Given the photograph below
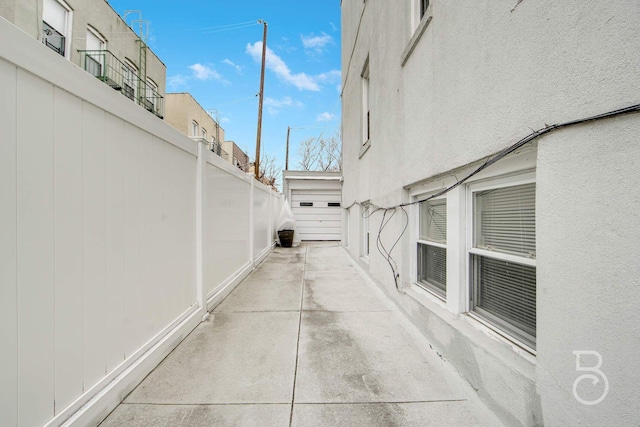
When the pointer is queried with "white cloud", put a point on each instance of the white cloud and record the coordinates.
(232, 64)
(202, 72)
(274, 63)
(224, 120)
(325, 117)
(275, 105)
(316, 43)
(176, 82)
(329, 77)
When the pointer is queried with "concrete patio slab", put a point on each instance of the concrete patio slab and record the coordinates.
(278, 271)
(421, 414)
(144, 415)
(263, 295)
(335, 294)
(372, 359)
(321, 347)
(286, 258)
(230, 358)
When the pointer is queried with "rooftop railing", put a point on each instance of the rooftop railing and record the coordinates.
(105, 66)
(213, 146)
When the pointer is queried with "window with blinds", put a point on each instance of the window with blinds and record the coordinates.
(364, 234)
(55, 25)
(502, 259)
(432, 246)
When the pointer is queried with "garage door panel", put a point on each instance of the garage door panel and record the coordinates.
(312, 217)
(319, 221)
(322, 224)
(319, 236)
(320, 196)
(316, 211)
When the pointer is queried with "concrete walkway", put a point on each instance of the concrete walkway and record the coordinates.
(305, 340)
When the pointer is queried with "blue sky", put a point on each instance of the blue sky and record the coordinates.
(212, 49)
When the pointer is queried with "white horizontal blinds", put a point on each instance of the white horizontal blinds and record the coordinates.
(504, 290)
(432, 259)
(93, 42)
(94, 61)
(130, 81)
(55, 15)
(432, 267)
(433, 220)
(504, 220)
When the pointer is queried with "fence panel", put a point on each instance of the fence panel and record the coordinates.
(8, 246)
(261, 220)
(226, 224)
(98, 212)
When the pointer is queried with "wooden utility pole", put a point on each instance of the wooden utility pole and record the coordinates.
(261, 94)
(286, 162)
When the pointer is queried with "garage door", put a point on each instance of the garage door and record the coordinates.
(318, 214)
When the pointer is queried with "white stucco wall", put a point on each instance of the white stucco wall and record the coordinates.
(481, 77)
(589, 289)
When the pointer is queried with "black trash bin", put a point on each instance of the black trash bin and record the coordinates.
(286, 238)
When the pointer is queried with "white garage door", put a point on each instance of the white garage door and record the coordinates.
(318, 214)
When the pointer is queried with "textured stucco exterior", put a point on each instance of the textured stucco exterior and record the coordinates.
(121, 39)
(480, 77)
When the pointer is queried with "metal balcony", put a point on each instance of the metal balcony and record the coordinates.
(105, 66)
(213, 146)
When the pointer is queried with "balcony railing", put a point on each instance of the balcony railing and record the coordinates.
(108, 68)
(213, 146)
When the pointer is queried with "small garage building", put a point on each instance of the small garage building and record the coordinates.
(315, 198)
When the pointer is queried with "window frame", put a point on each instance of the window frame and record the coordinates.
(419, 20)
(497, 325)
(430, 287)
(97, 58)
(195, 128)
(365, 231)
(520, 167)
(347, 224)
(67, 30)
(365, 77)
(130, 78)
(152, 95)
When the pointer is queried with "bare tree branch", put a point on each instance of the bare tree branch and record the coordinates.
(321, 154)
(269, 170)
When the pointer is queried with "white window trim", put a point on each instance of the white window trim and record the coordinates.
(414, 255)
(99, 36)
(418, 27)
(455, 300)
(347, 224)
(133, 69)
(487, 184)
(152, 86)
(516, 169)
(365, 231)
(68, 31)
(195, 128)
(366, 106)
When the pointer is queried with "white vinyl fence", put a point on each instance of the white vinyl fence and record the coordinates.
(117, 234)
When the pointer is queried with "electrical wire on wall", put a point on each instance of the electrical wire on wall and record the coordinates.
(389, 212)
